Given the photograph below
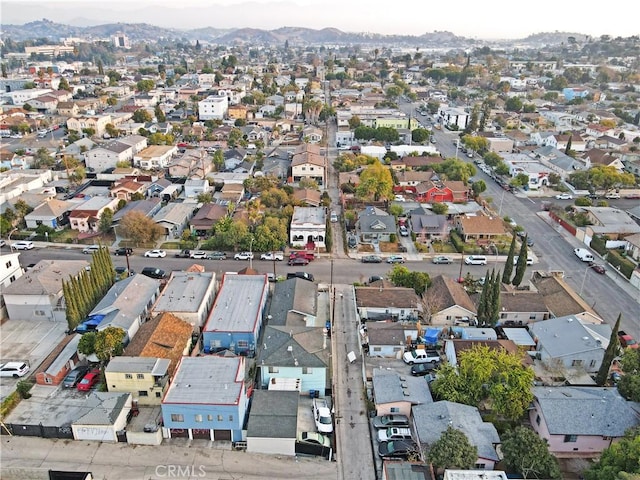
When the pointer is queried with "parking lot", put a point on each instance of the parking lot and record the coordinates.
(29, 341)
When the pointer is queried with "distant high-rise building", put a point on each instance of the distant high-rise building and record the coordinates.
(120, 40)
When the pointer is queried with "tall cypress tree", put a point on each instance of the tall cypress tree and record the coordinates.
(521, 266)
(97, 271)
(70, 310)
(508, 267)
(494, 317)
(83, 297)
(483, 302)
(609, 354)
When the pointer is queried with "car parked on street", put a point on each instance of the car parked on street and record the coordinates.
(22, 245)
(391, 420)
(122, 251)
(442, 260)
(598, 269)
(155, 253)
(298, 261)
(89, 381)
(564, 196)
(199, 254)
(243, 256)
(395, 259)
(153, 272)
(217, 256)
(277, 256)
(14, 369)
(371, 259)
(475, 260)
(89, 249)
(302, 275)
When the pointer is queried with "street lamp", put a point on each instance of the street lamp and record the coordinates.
(584, 277)
(251, 253)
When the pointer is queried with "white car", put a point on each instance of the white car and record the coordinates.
(279, 256)
(564, 196)
(198, 254)
(243, 256)
(22, 245)
(155, 253)
(14, 369)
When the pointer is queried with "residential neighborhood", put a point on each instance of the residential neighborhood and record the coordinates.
(378, 260)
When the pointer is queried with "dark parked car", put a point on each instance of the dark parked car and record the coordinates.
(421, 369)
(153, 272)
(303, 275)
(74, 376)
(598, 269)
(392, 420)
(396, 449)
(123, 251)
(371, 259)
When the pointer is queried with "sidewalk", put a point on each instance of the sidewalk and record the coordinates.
(619, 279)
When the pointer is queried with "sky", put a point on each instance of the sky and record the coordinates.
(489, 19)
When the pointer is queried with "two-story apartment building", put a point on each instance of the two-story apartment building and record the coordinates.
(155, 157)
(235, 321)
(86, 216)
(146, 379)
(308, 163)
(96, 123)
(206, 400)
(214, 107)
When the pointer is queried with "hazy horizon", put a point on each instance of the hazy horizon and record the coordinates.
(495, 19)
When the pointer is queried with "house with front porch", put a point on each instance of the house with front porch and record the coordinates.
(174, 218)
(388, 303)
(408, 180)
(86, 216)
(375, 225)
(207, 399)
(581, 421)
(448, 303)
(125, 189)
(442, 191)
(308, 163)
(155, 157)
(481, 228)
(429, 228)
(206, 217)
(308, 226)
(53, 214)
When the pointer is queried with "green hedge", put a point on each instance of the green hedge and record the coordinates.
(599, 244)
(457, 241)
(624, 265)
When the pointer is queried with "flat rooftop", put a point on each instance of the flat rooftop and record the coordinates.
(239, 303)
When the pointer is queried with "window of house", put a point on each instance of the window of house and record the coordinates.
(394, 410)
(177, 417)
(480, 466)
(231, 418)
(397, 349)
(12, 278)
(537, 419)
(220, 418)
(503, 315)
(532, 316)
(140, 376)
(570, 438)
(307, 371)
(576, 363)
(8, 264)
(198, 417)
(303, 168)
(274, 370)
(210, 418)
(39, 313)
(47, 380)
(243, 344)
(128, 376)
(377, 349)
(449, 317)
(143, 393)
(158, 394)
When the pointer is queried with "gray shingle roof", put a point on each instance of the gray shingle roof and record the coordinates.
(568, 335)
(275, 351)
(274, 414)
(585, 411)
(106, 408)
(390, 387)
(432, 419)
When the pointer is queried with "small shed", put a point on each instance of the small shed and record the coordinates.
(61, 364)
(105, 418)
(479, 334)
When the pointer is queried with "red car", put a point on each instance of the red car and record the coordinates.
(298, 261)
(89, 380)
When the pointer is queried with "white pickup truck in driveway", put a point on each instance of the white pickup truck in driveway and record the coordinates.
(421, 356)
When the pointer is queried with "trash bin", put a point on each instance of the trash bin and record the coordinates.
(312, 394)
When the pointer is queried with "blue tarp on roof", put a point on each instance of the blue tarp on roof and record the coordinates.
(431, 335)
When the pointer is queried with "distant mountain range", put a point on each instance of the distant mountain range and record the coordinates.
(252, 36)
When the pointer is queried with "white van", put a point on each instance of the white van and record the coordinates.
(529, 260)
(475, 260)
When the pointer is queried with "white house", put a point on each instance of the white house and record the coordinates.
(453, 116)
(214, 107)
(308, 225)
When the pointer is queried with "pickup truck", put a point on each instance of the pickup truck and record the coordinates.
(421, 355)
(183, 254)
(626, 340)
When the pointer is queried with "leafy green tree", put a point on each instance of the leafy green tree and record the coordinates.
(455, 169)
(401, 276)
(492, 159)
(106, 221)
(159, 114)
(486, 375)
(528, 454)
(502, 169)
(376, 182)
(141, 116)
(609, 354)
(109, 343)
(452, 451)
(64, 85)
(508, 266)
(478, 187)
(205, 197)
(145, 85)
(395, 210)
(439, 208)
(629, 384)
(420, 135)
(521, 265)
(520, 180)
(619, 461)
(87, 343)
(513, 104)
(139, 228)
